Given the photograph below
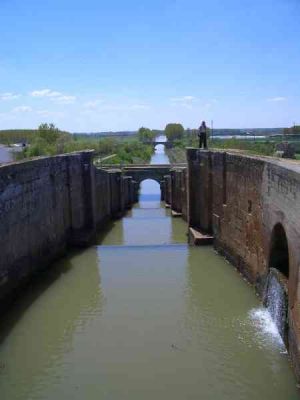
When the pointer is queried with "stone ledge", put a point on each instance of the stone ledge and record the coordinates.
(176, 214)
(197, 238)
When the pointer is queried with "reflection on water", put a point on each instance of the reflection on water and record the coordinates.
(40, 330)
(164, 321)
(6, 154)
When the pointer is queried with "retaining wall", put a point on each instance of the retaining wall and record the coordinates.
(241, 199)
(49, 203)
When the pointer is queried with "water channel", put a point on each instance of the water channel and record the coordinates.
(142, 316)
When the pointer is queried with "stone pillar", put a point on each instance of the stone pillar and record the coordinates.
(82, 198)
(168, 194)
(126, 191)
(199, 190)
(184, 208)
(116, 193)
(162, 190)
(176, 203)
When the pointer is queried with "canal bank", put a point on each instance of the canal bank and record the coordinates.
(142, 315)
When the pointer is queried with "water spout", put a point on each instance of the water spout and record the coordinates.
(276, 301)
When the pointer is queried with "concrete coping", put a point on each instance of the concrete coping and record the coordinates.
(39, 158)
(293, 165)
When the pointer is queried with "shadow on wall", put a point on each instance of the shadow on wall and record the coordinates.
(279, 254)
(276, 290)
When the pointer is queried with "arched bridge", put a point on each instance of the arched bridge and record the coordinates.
(140, 172)
(167, 144)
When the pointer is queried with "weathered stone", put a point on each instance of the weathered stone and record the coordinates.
(197, 238)
(241, 199)
(285, 150)
(49, 203)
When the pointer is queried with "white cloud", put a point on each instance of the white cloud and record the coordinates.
(277, 99)
(45, 93)
(91, 105)
(22, 109)
(47, 113)
(139, 107)
(9, 96)
(65, 99)
(43, 112)
(53, 95)
(183, 99)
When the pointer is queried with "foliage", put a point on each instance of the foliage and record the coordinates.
(132, 152)
(266, 148)
(49, 140)
(146, 134)
(48, 132)
(10, 136)
(174, 131)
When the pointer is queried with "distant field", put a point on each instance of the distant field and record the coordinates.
(10, 136)
(113, 135)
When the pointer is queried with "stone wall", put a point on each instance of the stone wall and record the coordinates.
(49, 203)
(178, 196)
(167, 189)
(103, 199)
(242, 199)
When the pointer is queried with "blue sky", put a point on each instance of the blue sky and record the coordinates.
(117, 65)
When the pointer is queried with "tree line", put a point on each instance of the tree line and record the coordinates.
(173, 131)
(49, 140)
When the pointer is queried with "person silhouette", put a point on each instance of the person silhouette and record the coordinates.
(202, 134)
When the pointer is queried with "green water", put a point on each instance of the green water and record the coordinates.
(142, 316)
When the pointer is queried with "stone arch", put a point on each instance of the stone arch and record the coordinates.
(155, 178)
(279, 251)
(160, 144)
(151, 178)
(143, 174)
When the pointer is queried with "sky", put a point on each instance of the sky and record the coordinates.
(99, 65)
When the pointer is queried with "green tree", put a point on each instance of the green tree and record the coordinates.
(174, 131)
(145, 134)
(48, 132)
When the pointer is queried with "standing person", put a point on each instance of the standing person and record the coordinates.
(202, 134)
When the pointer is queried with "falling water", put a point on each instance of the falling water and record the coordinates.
(275, 300)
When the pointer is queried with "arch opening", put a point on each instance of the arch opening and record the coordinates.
(279, 252)
(159, 148)
(149, 192)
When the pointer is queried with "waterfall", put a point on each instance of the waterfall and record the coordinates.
(275, 299)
